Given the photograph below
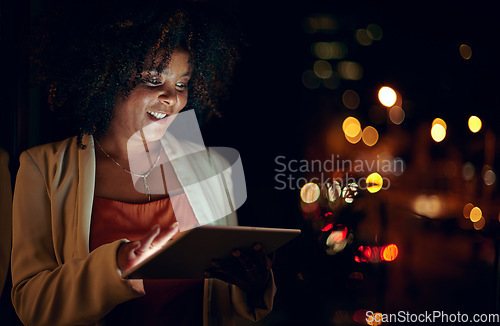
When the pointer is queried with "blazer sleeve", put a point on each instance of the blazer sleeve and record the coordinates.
(47, 291)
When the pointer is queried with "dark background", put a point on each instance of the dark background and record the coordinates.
(444, 264)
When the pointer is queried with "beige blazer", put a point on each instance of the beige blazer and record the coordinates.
(56, 281)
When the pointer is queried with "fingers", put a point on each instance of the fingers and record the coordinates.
(165, 236)
(147, 240)
(155, 238)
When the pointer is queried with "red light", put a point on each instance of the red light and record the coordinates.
(365, 254)
(339, 235)
(327, 228)
(344, 233)
(389, 252)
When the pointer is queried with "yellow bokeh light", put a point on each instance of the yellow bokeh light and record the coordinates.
(376, 319)
(480, 224)
(465, 51)
(429, 206)
(322, 50)
(439, 121)
(467, 209)
(475, 124)
(309, 192)
(352, 130)
(322, 69)
(389, 252)
(348, 121)
(438, 132)
(475, 214)
(374, 182)
(387, 96)
(355, 139)
(396, 114)
(370, 136)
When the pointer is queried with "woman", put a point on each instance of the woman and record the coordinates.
(79, 220)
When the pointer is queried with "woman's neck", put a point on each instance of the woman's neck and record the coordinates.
(123, 148)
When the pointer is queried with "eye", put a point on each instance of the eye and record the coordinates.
(152, 79)
(181, 86)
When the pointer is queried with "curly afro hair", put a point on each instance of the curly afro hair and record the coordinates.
(87, 57)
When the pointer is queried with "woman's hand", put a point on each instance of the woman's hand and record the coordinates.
(249, 270)
(132, 253)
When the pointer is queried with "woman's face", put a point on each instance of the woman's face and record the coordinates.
(157, 96)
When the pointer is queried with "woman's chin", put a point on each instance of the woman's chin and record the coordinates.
(152, 132)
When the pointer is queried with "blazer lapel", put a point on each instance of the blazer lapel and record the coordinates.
(85, 197)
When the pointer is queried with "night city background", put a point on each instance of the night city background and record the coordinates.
(306, 98)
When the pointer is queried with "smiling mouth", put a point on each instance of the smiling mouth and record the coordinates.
(157, 115)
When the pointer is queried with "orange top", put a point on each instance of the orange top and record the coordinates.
(167, 302)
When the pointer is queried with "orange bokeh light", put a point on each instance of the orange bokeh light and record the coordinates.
(389, 252)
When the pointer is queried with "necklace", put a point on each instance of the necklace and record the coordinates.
(144, 176)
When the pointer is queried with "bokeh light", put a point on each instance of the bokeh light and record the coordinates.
(370, 136)
(364, 37)
(355, 139)
(333, 191)
(489, 177)
(364, 254)
(350, 70)
(327, 227)
(349, 192)
(350, 99)
(480, 223)
(465, 51)
(475, 124)
(389, 252)
(475, 214)
(374, 182)
(468, 171)
(309, 192)
(428, 206)
(337, 236)
(387, 96)
(320, 23)
(438, 133)
(375, 32)
(352, 130)
(322, 69)
(310, 80)
(467, 208)
(329, 50)
(396, 114)
(376, 319)
(439, 121)
(332, 82)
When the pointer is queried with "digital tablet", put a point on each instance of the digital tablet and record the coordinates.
(190, 253)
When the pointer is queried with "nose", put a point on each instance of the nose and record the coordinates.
(168, 97)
